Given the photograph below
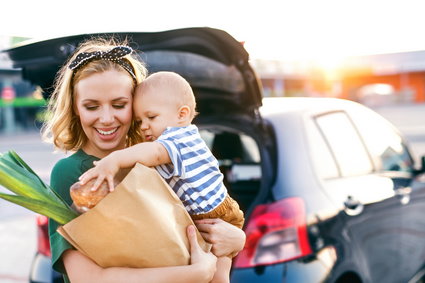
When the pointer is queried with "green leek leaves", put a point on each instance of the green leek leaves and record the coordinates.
(30, 191)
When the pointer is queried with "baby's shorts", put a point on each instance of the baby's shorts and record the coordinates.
(228, 211)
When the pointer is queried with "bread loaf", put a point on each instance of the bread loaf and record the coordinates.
(84, 197)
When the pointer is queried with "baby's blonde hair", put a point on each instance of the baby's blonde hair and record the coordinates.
(182, 91)
(63, 127)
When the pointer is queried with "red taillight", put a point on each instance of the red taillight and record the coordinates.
(275, 233)
(43, 235)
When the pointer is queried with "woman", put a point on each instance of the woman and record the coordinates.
(91, 110)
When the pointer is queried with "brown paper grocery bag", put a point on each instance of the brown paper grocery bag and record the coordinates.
(142, 223)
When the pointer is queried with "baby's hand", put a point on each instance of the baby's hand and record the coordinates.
(104, 169)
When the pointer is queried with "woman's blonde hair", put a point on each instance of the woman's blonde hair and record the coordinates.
(63, 127)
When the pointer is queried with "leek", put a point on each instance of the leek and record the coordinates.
(30, 190)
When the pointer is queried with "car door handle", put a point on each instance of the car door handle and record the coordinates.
(403, 194)
(353, 206)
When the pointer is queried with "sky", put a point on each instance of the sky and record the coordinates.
(315, 30)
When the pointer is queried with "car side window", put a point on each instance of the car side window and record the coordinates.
(323, 161)
(386, 146)
(345, 144)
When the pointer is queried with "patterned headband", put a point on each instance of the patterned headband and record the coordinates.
(116, 55)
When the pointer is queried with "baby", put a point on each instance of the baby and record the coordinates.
(165, 105)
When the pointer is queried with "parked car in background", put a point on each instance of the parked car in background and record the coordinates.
(329, 188)
(41, 268)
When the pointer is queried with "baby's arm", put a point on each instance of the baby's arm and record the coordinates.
(147, 153)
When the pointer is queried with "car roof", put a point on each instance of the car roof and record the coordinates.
(273, 105)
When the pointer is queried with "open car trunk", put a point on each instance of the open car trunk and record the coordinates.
(214, 63)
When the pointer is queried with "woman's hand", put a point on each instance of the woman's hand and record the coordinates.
(206, 262)
(225, 238)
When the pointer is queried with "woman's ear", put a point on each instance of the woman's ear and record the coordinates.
(184, 114)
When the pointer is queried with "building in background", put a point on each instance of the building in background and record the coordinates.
(403, 72)
(373, 80)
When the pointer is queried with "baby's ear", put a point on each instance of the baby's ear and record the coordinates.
(184, 113)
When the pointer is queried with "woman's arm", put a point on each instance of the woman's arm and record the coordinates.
(202, 268)
(225, 238)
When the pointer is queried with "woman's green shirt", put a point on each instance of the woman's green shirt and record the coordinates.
(65, 173)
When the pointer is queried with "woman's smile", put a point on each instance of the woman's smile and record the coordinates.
(107, 135)
(106, 132)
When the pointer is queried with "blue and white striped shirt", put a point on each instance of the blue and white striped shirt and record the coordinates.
(193, 172)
